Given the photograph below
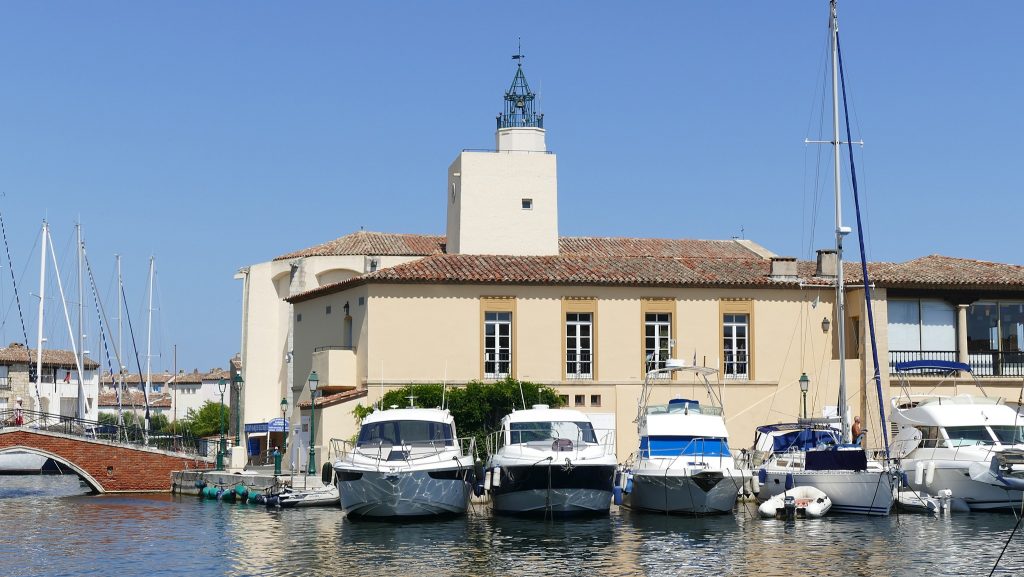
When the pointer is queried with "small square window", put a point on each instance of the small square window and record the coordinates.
(328, 309)
(527, 204)
(298, 317)
(361, 301)
(580, 401)
(595, 400)
(564, 399)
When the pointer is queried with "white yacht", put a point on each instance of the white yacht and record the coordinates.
(811, 453)
(684, 464)
(971, 445)
(552, 463)
(406, 463)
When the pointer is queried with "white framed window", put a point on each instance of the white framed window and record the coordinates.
(497, 344)
(579, 348)
(657, 340)
(735, 348)
(527, 204)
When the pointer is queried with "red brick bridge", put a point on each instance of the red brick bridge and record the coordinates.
(106, 466)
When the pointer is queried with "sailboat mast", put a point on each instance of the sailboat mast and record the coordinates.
(39, 334)
(82, 408)
(840, 231)
(149, 343)
(120, 351)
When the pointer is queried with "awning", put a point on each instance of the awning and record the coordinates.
(277, 425)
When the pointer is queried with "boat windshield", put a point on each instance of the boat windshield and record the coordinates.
(1009, 434)
(405, 433)
(967, 436)
(550, 430)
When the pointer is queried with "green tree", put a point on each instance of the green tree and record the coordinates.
(207, 420)
(477, 408)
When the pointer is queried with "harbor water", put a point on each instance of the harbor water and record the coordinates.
(52, 528)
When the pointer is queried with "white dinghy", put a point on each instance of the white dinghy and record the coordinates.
(804, 502)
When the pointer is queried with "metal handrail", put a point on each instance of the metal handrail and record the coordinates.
(605, 439)
(345, 448)
(88, 429)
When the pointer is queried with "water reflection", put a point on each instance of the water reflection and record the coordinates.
(51, 529)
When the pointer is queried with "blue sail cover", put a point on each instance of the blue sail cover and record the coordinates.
(675, 446)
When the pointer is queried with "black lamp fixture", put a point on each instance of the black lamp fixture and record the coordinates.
(314, 382)
(825, 325)
(805, 383)
(346, 308)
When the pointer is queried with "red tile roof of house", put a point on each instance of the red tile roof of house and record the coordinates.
(18, 353)
(369, 243)
(333, 399)
(134, 398)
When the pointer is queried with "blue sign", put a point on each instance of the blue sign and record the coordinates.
(277, 425)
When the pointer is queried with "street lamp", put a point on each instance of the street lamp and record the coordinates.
(279, 454)
(237, 381)
(314, 381)
(805, 383)
(825, 324)
(222, 386)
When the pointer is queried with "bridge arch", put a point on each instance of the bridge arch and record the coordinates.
(84, 475)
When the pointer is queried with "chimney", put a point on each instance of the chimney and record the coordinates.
(783, 268)
(828, 263)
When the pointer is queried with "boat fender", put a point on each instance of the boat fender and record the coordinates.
(904, 479)
(228, 496)
(929, 473)
(220, 493)
(629, 483)
(618, 477)
(762, 476)
(919, 473)
(487, 480)
(478, 489)
(617, 494)
(496, 477)
(273, 501)
(242, 491)
(200, 483)
(327, 474)
(755, 484)
(789, 481)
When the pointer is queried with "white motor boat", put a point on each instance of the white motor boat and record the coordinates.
(812, 454)
(798, 503)
(406, 463)
(550, 462)
(970, 445)
(19, 462)
(684, 465)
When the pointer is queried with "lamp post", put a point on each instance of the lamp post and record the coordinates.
(284, 420)
(314, 381)
(222, 385)
(805, 383)
(238, 382)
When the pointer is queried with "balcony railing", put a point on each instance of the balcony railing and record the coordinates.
(986, 364)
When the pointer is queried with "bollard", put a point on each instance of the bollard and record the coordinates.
(277, 462)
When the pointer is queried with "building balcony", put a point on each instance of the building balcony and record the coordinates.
(983, 364)
(336, 366)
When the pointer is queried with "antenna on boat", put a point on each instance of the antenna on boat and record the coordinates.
(412, 400)
(521, 395)
(444, 383)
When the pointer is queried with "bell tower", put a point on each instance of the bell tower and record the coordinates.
(506, 201)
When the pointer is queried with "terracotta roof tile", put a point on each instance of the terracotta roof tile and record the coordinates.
(375, 244)
(652, 247)
(334, 399)
(134, 398)
(18, 353)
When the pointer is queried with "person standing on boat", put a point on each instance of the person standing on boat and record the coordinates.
(856, 432)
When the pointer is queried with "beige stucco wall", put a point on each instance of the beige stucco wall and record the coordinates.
(430, 333)
(485, 213)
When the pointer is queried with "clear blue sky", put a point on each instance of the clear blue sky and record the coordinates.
(220, 134)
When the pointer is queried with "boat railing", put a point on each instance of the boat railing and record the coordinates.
(409, 452)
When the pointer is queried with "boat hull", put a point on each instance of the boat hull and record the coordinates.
(858, 492)
(542, 490)
(22, 463)
(378, 494)
(707, 493)
(955, 476)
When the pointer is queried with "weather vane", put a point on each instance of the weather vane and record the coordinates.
(519, 52)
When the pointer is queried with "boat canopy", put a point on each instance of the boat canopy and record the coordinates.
(797, 437)
(934, 365)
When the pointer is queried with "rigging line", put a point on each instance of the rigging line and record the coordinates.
(816, 198)
(135, 349)
(863, 258)
(10, 266)
(100, 317)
